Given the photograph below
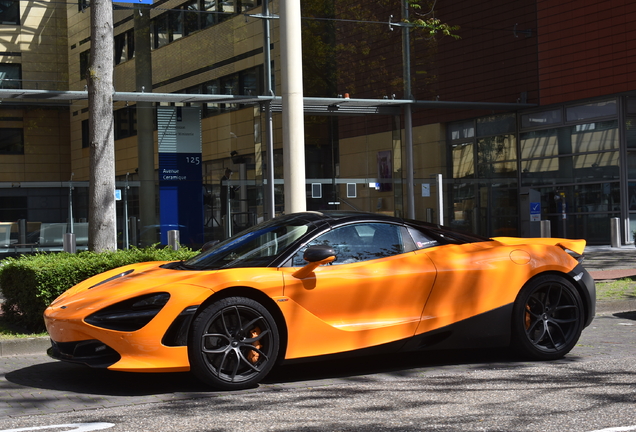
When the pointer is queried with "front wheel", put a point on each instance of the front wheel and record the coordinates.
(234, 344)
(547, 318)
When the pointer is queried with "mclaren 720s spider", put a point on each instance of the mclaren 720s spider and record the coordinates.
(323, 283)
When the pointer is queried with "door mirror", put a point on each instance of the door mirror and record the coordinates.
(315, 256)
(318, 253)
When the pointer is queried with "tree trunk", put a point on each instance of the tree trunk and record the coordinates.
(101, 206)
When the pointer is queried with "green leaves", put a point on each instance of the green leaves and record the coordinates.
(31, 282)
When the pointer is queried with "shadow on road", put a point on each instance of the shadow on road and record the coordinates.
(80, 379)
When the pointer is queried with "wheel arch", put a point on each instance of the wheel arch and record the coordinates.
(549, 332)
(585, 297)
(263, 299)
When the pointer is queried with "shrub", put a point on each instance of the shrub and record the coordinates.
(31, 282)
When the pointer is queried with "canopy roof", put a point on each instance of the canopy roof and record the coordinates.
(332, 106)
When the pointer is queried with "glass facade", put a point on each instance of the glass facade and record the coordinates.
(570, 155)
(485, 185)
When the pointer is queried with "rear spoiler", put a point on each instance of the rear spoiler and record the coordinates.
(576, 246)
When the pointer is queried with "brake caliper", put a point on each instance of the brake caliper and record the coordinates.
(253, 356)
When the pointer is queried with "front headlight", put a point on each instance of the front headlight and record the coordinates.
(129, 315)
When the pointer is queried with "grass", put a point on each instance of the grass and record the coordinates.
(618, 289)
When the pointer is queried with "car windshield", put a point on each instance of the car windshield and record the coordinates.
(254, 247)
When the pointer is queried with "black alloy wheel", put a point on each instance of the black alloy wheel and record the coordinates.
(548, 318)
(234, 344)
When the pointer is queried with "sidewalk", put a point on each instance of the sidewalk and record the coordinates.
(603, 263)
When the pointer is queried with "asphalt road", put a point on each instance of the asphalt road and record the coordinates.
(592, 389)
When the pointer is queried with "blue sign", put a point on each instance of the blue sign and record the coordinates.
(180, 174)
(535, 211)
(134, 1)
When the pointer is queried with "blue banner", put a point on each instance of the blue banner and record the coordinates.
(134, 1)
(180, 174)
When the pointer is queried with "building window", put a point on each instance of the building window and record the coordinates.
(159, 31)
(13, 208)
(85, 137)
(11, 141)
(9, 12)
(84, 57)
(82, 5)
(195, 15)
(245, 83)
(124, 46)
(10, 76)
(592, 110)
(484, 168)
(126, 122)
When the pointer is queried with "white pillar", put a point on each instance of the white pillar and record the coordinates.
(293, 117)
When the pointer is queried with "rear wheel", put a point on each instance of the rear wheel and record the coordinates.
(234, 343)
(547, 318)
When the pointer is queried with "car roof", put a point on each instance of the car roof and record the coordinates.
(342, 216)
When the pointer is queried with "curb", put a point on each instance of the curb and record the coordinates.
(24, 346)
(627, 305)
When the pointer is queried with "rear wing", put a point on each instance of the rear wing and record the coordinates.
(576, 246)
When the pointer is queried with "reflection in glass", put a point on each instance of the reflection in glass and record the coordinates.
(589, 137)
(463, 160)
(359, 242)
(591, 110)
(497, 170)
(631, 165)
(496, 148)
(630, 132)
(462, 130)
(595, 137)
(542, 118)
(496, 125)
(570, 169)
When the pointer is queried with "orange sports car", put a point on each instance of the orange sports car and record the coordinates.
(314, 284)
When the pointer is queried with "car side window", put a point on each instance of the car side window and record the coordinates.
(422, 241)
(358, 242)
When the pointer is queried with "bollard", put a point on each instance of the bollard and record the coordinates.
(173, 239)
(546, 230)
(69, 243)
(615, 232)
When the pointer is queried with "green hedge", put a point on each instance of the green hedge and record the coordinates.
(31, 282)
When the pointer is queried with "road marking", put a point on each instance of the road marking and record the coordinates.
(78, 427)
(615, 429)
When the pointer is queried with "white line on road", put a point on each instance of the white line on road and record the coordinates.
(614, 429)
(78, 427)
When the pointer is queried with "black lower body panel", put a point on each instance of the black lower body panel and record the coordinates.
(490, 329)
(89, 352)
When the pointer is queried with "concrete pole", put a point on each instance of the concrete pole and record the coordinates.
(293, 116)
(270, 209)
(408, 121)
(440, 200)
(145, 125)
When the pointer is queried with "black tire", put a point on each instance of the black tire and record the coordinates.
(233, 344)
(547, 318)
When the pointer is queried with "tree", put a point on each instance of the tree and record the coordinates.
(355, 47)
(101, 207)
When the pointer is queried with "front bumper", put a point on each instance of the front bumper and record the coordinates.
(89, 352)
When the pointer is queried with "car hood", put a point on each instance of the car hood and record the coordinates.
(135, 277)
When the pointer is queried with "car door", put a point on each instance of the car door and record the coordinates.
(373, 293)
